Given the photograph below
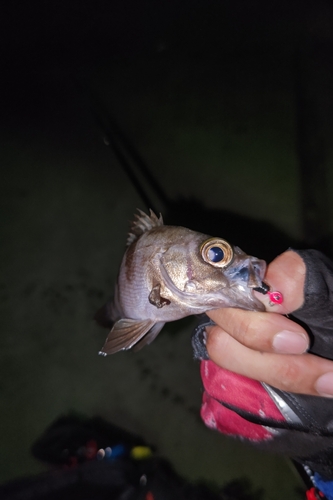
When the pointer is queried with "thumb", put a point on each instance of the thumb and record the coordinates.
(285, 274)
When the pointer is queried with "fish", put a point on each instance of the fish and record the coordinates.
(170, 272)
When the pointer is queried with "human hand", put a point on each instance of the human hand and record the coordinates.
(268, 346)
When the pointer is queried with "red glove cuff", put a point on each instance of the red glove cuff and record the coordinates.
(225, 387)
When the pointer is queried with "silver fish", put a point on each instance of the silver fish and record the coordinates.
(169, 272)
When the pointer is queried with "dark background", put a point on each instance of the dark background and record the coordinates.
(228, 104)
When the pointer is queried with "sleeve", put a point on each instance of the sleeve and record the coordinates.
(316, 316)
(316, 313)
(292, 424)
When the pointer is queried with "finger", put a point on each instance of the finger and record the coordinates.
(285, 274)
(303, 374)
(261, 331)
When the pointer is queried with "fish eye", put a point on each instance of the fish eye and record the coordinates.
(217, 252)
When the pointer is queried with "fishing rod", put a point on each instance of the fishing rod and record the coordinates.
(128, 157)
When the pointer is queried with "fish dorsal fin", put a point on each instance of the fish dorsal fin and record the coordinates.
(143, 223)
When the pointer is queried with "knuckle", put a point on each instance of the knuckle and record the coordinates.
(217, 344)
(289, 376)
(243, 332)
(247, 330)
(214, 337)
(237, 324)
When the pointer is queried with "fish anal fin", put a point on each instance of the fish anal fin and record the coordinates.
(156, 298)
(125, 334)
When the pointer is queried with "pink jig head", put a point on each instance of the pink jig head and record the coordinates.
(275, 297)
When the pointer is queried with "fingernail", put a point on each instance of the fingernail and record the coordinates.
(324, 385)
(290, 342)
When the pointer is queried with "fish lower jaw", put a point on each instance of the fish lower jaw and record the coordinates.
(247, 301)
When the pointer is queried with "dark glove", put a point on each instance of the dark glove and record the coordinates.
(296, 425)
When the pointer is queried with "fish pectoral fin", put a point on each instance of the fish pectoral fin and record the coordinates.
(151, 335)
(125, 334)
(156, 298)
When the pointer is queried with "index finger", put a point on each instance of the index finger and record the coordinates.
(260, 331)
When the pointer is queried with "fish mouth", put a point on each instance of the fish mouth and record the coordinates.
(250, 272)
(247, 276)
